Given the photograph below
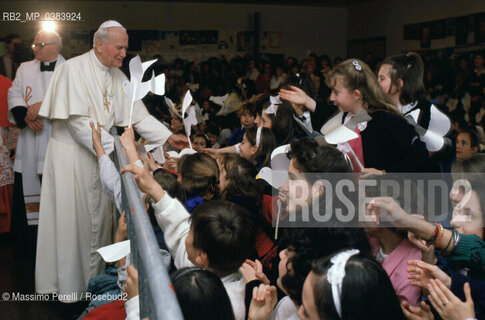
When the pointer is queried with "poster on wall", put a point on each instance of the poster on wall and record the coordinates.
(223, 46)
(245, 41)
(466, 30)
(263, 40)
(480, 28)
(169, 36)
(169, 40)
(189, 37)
(425, 39)
(150, 48)
(438, 29)
(274, 39)
(450, 27)
(208, 37)
(461, 33)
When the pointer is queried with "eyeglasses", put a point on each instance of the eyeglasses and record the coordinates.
(41, 45)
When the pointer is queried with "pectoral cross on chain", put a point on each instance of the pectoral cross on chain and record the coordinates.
(106, 101)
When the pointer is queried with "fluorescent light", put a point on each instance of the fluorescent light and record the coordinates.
(49, 26)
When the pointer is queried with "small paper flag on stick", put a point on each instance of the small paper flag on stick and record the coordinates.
(191, 119)
(277, 219)
(136, 89)
(355, 156)
(115, 252)
(171, 107)
(335, 132)
(279, 164)
(438, 127)
(219, 100)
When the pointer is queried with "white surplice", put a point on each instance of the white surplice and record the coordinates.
(29, 87)
(76, 217)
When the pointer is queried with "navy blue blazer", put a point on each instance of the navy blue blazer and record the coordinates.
(390, 143)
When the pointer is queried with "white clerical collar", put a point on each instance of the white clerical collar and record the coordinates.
(96, 61)
(49, 62)
(406, 108)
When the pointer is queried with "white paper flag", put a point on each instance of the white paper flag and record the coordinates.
(439, 125)
(189, 120)
(175, 154)
(115, 251)
(335, 132)
(135, 88)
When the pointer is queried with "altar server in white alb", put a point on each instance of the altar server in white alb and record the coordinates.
(76, 217)
(24, 100)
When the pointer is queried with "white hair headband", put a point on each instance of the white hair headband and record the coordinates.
(258, 136)
(273, 107)
(336, 275)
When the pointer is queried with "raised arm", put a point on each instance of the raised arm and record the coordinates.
(299, 97)
(387, 209)
(145, 181)
(154, 131)
(127, 140)
(80, 129)
(108, 174)
(229, 149)
(171, 215)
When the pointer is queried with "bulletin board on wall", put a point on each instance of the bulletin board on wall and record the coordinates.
(193, 45)
(463, 31)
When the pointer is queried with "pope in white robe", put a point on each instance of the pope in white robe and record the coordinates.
(27, 92)
(76, 217)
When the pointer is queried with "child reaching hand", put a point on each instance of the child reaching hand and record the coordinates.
(218, 236)
(108, 174)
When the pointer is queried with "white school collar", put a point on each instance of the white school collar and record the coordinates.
(361, 125)
(406, 108)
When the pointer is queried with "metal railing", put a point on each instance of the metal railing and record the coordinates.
(157, 296)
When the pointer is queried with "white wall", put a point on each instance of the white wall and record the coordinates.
(319, 29)
(387, 18)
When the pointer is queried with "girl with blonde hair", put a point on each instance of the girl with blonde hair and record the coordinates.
(386, 142)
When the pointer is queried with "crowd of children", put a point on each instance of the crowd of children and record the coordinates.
(214, 212)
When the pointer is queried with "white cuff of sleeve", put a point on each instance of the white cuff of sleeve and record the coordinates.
(132, 308)
(153, 130)
(237, 148)
(81, 132)
(163, 203)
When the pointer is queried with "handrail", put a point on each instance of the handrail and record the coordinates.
(159, 301)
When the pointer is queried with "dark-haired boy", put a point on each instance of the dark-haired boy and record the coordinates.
(212, 133)
(247, 114)
(218, 236)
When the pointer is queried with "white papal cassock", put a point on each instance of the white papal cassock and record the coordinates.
(76, 218)
(29, 87)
